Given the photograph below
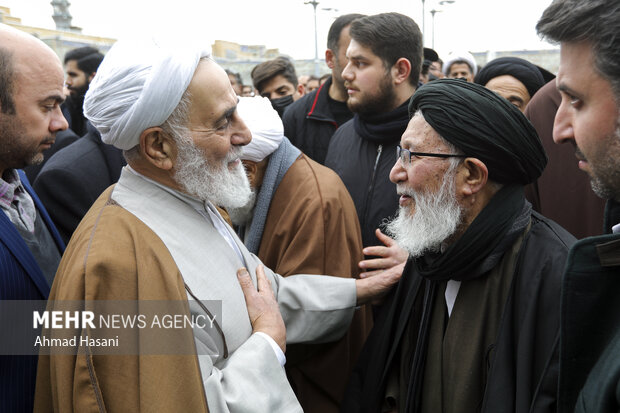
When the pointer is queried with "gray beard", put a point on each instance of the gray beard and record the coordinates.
(242, 216)
(435, 219)
(216, 183)
(605, 179)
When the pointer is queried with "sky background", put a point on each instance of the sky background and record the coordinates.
(474, 25)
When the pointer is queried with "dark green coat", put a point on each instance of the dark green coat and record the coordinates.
(590, 324)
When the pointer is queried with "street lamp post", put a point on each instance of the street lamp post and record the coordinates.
(433, 26)
(441, 3)
(423, 28)
(316, 43)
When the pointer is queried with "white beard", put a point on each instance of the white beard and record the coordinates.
(242, 216)
(435, 219)
(224, 187)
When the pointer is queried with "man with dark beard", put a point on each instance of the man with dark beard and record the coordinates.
(588, 119)
(156, 235)
(473, 324)
(31, 83)
(310, 122)
(81, 66)
(385, 55)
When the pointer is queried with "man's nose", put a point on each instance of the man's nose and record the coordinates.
(563, 125)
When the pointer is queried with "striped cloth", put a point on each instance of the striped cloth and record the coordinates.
(16, 202)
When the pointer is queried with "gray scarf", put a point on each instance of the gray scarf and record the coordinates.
(279, 162)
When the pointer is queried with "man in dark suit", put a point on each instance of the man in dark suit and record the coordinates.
(31, 82)
(74, 178)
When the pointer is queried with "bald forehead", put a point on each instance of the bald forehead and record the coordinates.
(23, 43)
(29, 54)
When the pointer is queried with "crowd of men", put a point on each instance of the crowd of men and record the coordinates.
(401, 236)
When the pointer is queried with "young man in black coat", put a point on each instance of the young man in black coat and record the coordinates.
(589, 119)
(310, 122)
(385, 56)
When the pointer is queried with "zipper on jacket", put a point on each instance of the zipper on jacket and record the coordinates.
(371, 187)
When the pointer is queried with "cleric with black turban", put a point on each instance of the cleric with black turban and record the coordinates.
(513, 78)
(473, 323)
(484, 126)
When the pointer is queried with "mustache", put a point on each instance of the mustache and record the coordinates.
(401, 189)
(579, 154)
(234, 154)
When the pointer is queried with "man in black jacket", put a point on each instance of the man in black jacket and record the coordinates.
(385, 56)
(310, 122)
(589, 119)
(74, 177)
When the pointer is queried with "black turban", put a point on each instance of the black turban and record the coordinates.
(522, 70)
(483, 125)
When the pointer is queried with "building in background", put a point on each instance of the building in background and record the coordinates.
(234, 56)
(62, 39)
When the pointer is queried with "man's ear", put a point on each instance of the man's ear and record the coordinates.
(401, 70)
(473, 176)
(301, 89)
(250, 170)
(91, 77)
(158, 148)
(329, 58)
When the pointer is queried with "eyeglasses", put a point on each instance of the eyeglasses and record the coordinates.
(406, 156)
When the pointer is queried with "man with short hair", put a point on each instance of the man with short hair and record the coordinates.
(157, 235)
(310, 122)
(81, 66)
(588, 118)
(474, 321)
(235, 81)
(247, 91)
(431, 67)
(31, 86)
(460, 65)
(385, 56)
(301, 219)
(277, 80)
(512, 78)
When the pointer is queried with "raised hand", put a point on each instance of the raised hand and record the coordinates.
(392, 257)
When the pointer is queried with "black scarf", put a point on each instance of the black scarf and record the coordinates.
(477, 251)
(383, 128)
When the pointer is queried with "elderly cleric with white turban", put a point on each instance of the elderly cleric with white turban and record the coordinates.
(123, 100)
(157, 235)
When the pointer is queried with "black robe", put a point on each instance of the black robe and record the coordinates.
(523, 375)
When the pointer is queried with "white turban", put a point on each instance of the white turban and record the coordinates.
(463, 56)
(137, 86)
(265, 125)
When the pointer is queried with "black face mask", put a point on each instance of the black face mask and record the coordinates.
(280, 104)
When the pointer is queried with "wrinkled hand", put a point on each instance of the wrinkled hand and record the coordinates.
(262, 306)
(374, 288)
(392, 256)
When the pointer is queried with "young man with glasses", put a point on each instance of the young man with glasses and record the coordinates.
(474, 321)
